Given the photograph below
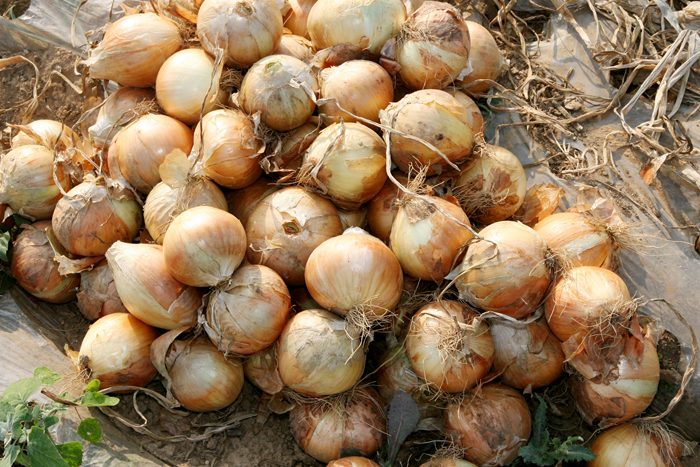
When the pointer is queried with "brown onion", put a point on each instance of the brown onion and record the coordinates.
(119, 109)
(261, 369)
(356, 218)
(297, 16)
(382, 209)
(446, 462)
(637, 445)
(297, 47)
(242, 202)
(541, 200)
(484, 57)
(352, 462)
(98, 295)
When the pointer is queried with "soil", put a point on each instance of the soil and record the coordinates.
(13, 8)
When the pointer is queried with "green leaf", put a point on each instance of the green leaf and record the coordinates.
(540, 434)
(11, 453)
(20, 391)
(50, 421)
(6, 281)
(5, 409)
(93, 386)
(72, 453)
(572, 451)
(23, 459)
(97, 399)
(402, 418)
(90, 430)
(42, 451)
(46, 376)
(19, 220)
(5, 242)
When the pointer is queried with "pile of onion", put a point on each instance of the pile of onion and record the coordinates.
(382, 209)
(242, 202)
(484, 57)
(119, 109)
(261, 369)
(98, 294)
(637, 445)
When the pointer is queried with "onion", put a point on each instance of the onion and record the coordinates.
(246, 30)
(281, 88)
(119, 109)
(92, 216)
(356, 218)
(148, 290)
(382, 209)
(352, 462)
(186, 9)
(261, 369)
(446, 462)
(187, 83)
(515, 280)
(27, 183)
(432, 47)
(426, 241)
(297, 16)
(435, 117)
(296, 46)
(242, 202)
(490, 425)
(347, 162)
(541, 200)
(248, 313)
(359, 86)
(637, 445)
(528, 355)
(355, 272)
(133, 50)
(141, 147)
(230, 152)
(98, 295)
(286, 155)
(485, 59)
(446, 348)
(367, 24)
(45, 133)
(316, 355)
(473, 111)
(286, 227)
(117, 351)
(494, 188)
(34, 267)
(352, 420)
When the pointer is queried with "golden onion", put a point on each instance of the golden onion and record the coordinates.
(119, 109)
(242, 202)
(297, 16)
(296, 46)
(352, 461)
(473, 111)
(261, 369)
(98, 294)
(49, 133)
(186, 9)
(637, 445)
(356, 218)
(485, 59)
(382, 209)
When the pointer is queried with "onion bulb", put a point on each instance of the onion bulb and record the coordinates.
(117, 351)
(360, 87)
(352, 420)
(34, 267)
(347, 162)
(432, 47)
(247, 314)
(296, 46)
(541, 200)
(637, 445)
(297, 16)
(473, 111)
(148, 290)
(426, 241)
(485, 59)
(286, 227)
(356, 218)
(119, 109)
(365, 24)
(316, 355)
(447, 462)
(133, 50)
(92, 216)
(242, 202)
(382, 209)
(506, 272)
(355, 271)
(435, 117)
(286, 155)
(187, 85)
(27, 182)
(352, 462)
(490, 425)
(98, 295)
(494, 187)
(446, 348)
(261, 369)
(246, 30)
(282, 88)
(49, 133)
(203, 246)
(186, 9)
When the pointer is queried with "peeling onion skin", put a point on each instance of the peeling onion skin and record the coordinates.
(33, 266)
(248, 313)
(242, 202)
(118, 110)
(627, 445)
(50, 132)
(382, 209)
(297, 16)
(297, 47)
(261, 370)
(352, 462)
(445, 462)
(491, 425)
(316, 356)
(118, 351)
(516, 280)
(485, 57)
(98, 295)
(322, 432)
(476, 119)
(186, 9)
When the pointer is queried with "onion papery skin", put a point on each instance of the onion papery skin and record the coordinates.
(432, 47)
(630, 445)
(515, 281)
(33, 266)
(27, 184)
(164, 203)
(119, 109)
(296, 46)
(203, 379)
(203, 246)
(261, 370)
(297, 16)
(186, 9)
(581, 242)
(231, 152)
(485, 57)
(98, 294)
(449, 358)
(426, 241)
(446, 462)
(148, 290)
(382, 209)
(316, 356)
(476, 120)
(247, 31)
(347, 162)
(529, 354)
(490, 425)
(133, 50)
(356, 218)
(92, 216)
(287, 160)
(271, 87)
(49, 133)
(433, 116)
(355, 270)
(242, 202)
(186, 83)
(360, 87)
(248, 313)
(118, 351)
(357, 422)
(352, 462)
(141, 147)
(286, 227)
(494, 188)
(365, 24)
